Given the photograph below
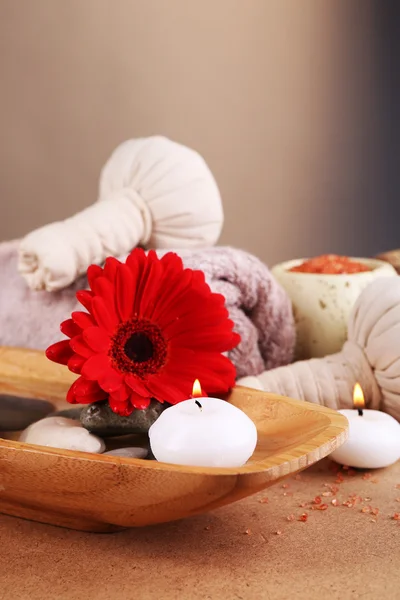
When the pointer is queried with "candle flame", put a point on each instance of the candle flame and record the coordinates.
(358, 397)
(197, 392)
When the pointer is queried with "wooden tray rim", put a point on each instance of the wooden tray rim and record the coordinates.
(332, 436)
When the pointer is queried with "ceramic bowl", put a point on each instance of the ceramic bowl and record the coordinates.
(99, 493)
(322, 304)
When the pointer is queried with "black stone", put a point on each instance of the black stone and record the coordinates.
(150, 455)
(18, 413)
(99, 419)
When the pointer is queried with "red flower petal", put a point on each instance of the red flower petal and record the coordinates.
(111, 380)
(85, 392)
(69, 328)
(136, 385)
(60, 352)
(76, 363)
(136, 261)
(199, 280)
(216, 340)
(96, 366)
(93, 272)
(121, 394)
(79, 346)
(85, 298)
(125, 292)
(172, 263)
(82, 319)
(71, 398)
(83, 387)
(111, 267)
(104, 317)
(166, 390)
(104, 289)
(139, 402)
(208, 320)
(97, 339)
(215, 371)
(150, 287)
(173, 277)
(167, 300)
(124, 409)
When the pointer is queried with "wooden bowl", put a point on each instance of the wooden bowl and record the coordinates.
(91, 492)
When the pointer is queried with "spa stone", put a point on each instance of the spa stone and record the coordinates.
(59, 432)
(128, 452)
(98, 418)
(18, 413)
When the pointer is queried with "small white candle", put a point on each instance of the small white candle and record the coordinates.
(374, 437)
(203, 432)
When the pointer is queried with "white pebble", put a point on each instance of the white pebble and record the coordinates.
(59, 432)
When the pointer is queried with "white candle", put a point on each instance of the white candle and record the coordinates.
(374, 438)
(203, 432)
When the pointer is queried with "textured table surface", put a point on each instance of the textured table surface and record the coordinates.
(232, 553)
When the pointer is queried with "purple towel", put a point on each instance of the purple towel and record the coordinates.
(257, 304)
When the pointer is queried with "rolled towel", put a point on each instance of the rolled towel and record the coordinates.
(370, 356)
(259, 307)
(153, 192)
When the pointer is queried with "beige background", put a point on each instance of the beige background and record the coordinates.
(280, 97)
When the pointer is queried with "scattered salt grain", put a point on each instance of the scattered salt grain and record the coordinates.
(303, 517)
(290, 517)
(320, 507)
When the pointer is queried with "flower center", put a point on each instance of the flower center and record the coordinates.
(138, 347)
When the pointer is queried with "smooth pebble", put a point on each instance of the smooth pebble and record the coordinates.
(128, 452)
(17, 413)
(59, 432)
(98, 418)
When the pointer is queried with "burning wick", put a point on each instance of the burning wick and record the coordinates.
(197, 392)
(358, 399)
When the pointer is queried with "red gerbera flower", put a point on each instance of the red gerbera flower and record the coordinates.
(151, 329)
